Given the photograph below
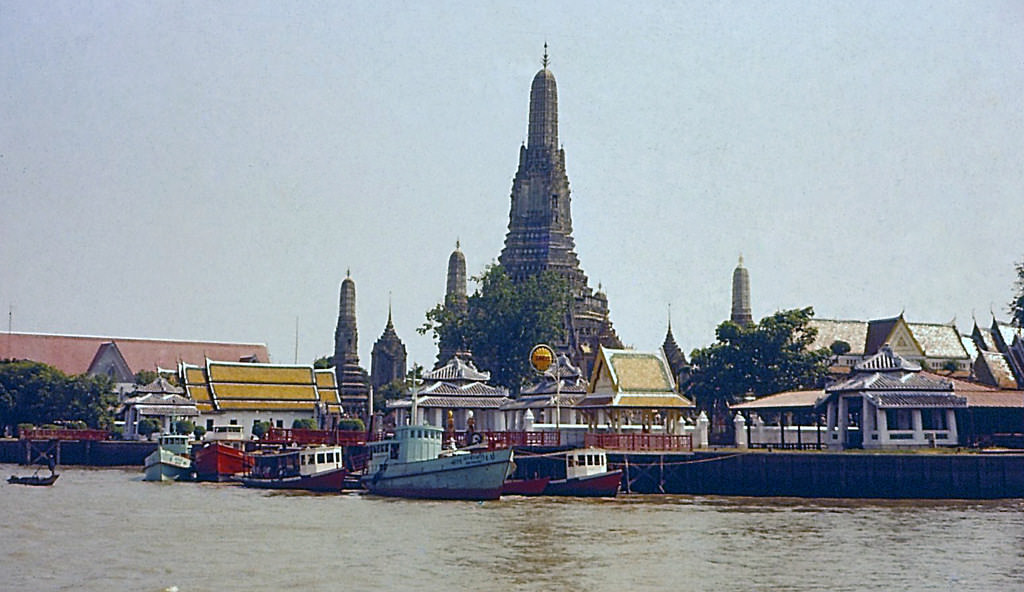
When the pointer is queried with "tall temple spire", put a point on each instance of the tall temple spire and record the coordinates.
(540, 226)
(455, 289)
(456, 302)
(741, 314)
(353, 384)
(388, 358)
(346, 335)
(543, 130)
(674, 355)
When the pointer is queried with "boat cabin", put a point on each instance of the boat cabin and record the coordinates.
(298, 462)
(220, 433)
(410, 443)
(176, 443)
(585, 462)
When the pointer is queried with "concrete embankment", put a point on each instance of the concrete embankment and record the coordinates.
(106, 453)
(818, 474)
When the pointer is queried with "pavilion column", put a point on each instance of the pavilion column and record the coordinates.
(951, 426)
(843, 416)
(883, 427)
(915, 415)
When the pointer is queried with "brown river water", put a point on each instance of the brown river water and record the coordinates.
(106, 529)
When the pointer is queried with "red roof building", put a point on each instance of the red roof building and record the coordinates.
(121, 357)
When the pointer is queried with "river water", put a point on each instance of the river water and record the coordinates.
(106, 529)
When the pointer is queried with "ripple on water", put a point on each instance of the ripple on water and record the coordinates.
(109, 530)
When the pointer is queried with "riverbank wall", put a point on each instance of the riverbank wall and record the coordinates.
(104, 453)
(826, 475)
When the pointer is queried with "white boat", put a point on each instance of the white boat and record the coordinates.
(413, 464)
(170, 461)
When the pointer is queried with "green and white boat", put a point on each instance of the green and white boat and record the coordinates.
(170, 461)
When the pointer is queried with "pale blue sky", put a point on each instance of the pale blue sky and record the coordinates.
(209, 170)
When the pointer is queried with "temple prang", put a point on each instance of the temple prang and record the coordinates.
(539, 234)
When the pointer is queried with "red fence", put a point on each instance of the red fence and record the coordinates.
(62, 434)
(639, 442)
(305, 437)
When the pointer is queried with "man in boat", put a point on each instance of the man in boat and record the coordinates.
(51, 462)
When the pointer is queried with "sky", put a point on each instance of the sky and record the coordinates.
(211, 171)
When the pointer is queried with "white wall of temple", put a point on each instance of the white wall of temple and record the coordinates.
(247, 418)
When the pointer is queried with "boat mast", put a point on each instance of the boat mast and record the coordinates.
(412, 416)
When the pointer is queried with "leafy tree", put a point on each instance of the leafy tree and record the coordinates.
(199, 431)
(769, 357)
(395, 389)
(323, 362)
(145, 376)
(840, 347)
(503, 321)
(148, 426)
(260, 429)
(304, 423)
(351, 424)
(1017, 304)
(31, 392)
(184, 427)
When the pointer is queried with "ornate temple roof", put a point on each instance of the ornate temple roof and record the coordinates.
(224, 385)
(457, 370)
(629, 378)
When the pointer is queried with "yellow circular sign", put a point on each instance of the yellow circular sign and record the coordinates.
(541, 357)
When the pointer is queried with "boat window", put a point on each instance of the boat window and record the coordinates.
(320, 457)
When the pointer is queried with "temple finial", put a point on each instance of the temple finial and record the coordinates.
(457, 243)
(669, 317)
(389, 307)
(348, 272)
(741, 258)
(545, 61)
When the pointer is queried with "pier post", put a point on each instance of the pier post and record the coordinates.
(701, 431)
(739, 424)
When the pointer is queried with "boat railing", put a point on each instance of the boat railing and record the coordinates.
(508, 439)
(304, 437)
(63, 434)
(640, 442)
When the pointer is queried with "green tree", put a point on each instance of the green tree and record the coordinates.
(351, 424)
(148, 426)
(839, 347)
(395, 389)
(259, 429)
(769, 357)
(31, 392)
(145, 376)
(503, 321)
(323, 362)
(184, 427)
(1017, 304)
(304, 423)
(199, 431)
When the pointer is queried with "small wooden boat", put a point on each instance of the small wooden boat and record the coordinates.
(586, 475)
(316, 468)
(34, 479)
(525, 486)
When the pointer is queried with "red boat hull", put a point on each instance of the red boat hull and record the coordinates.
(602, 485)
(218, 462)
(325, 481)
(525, 486)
